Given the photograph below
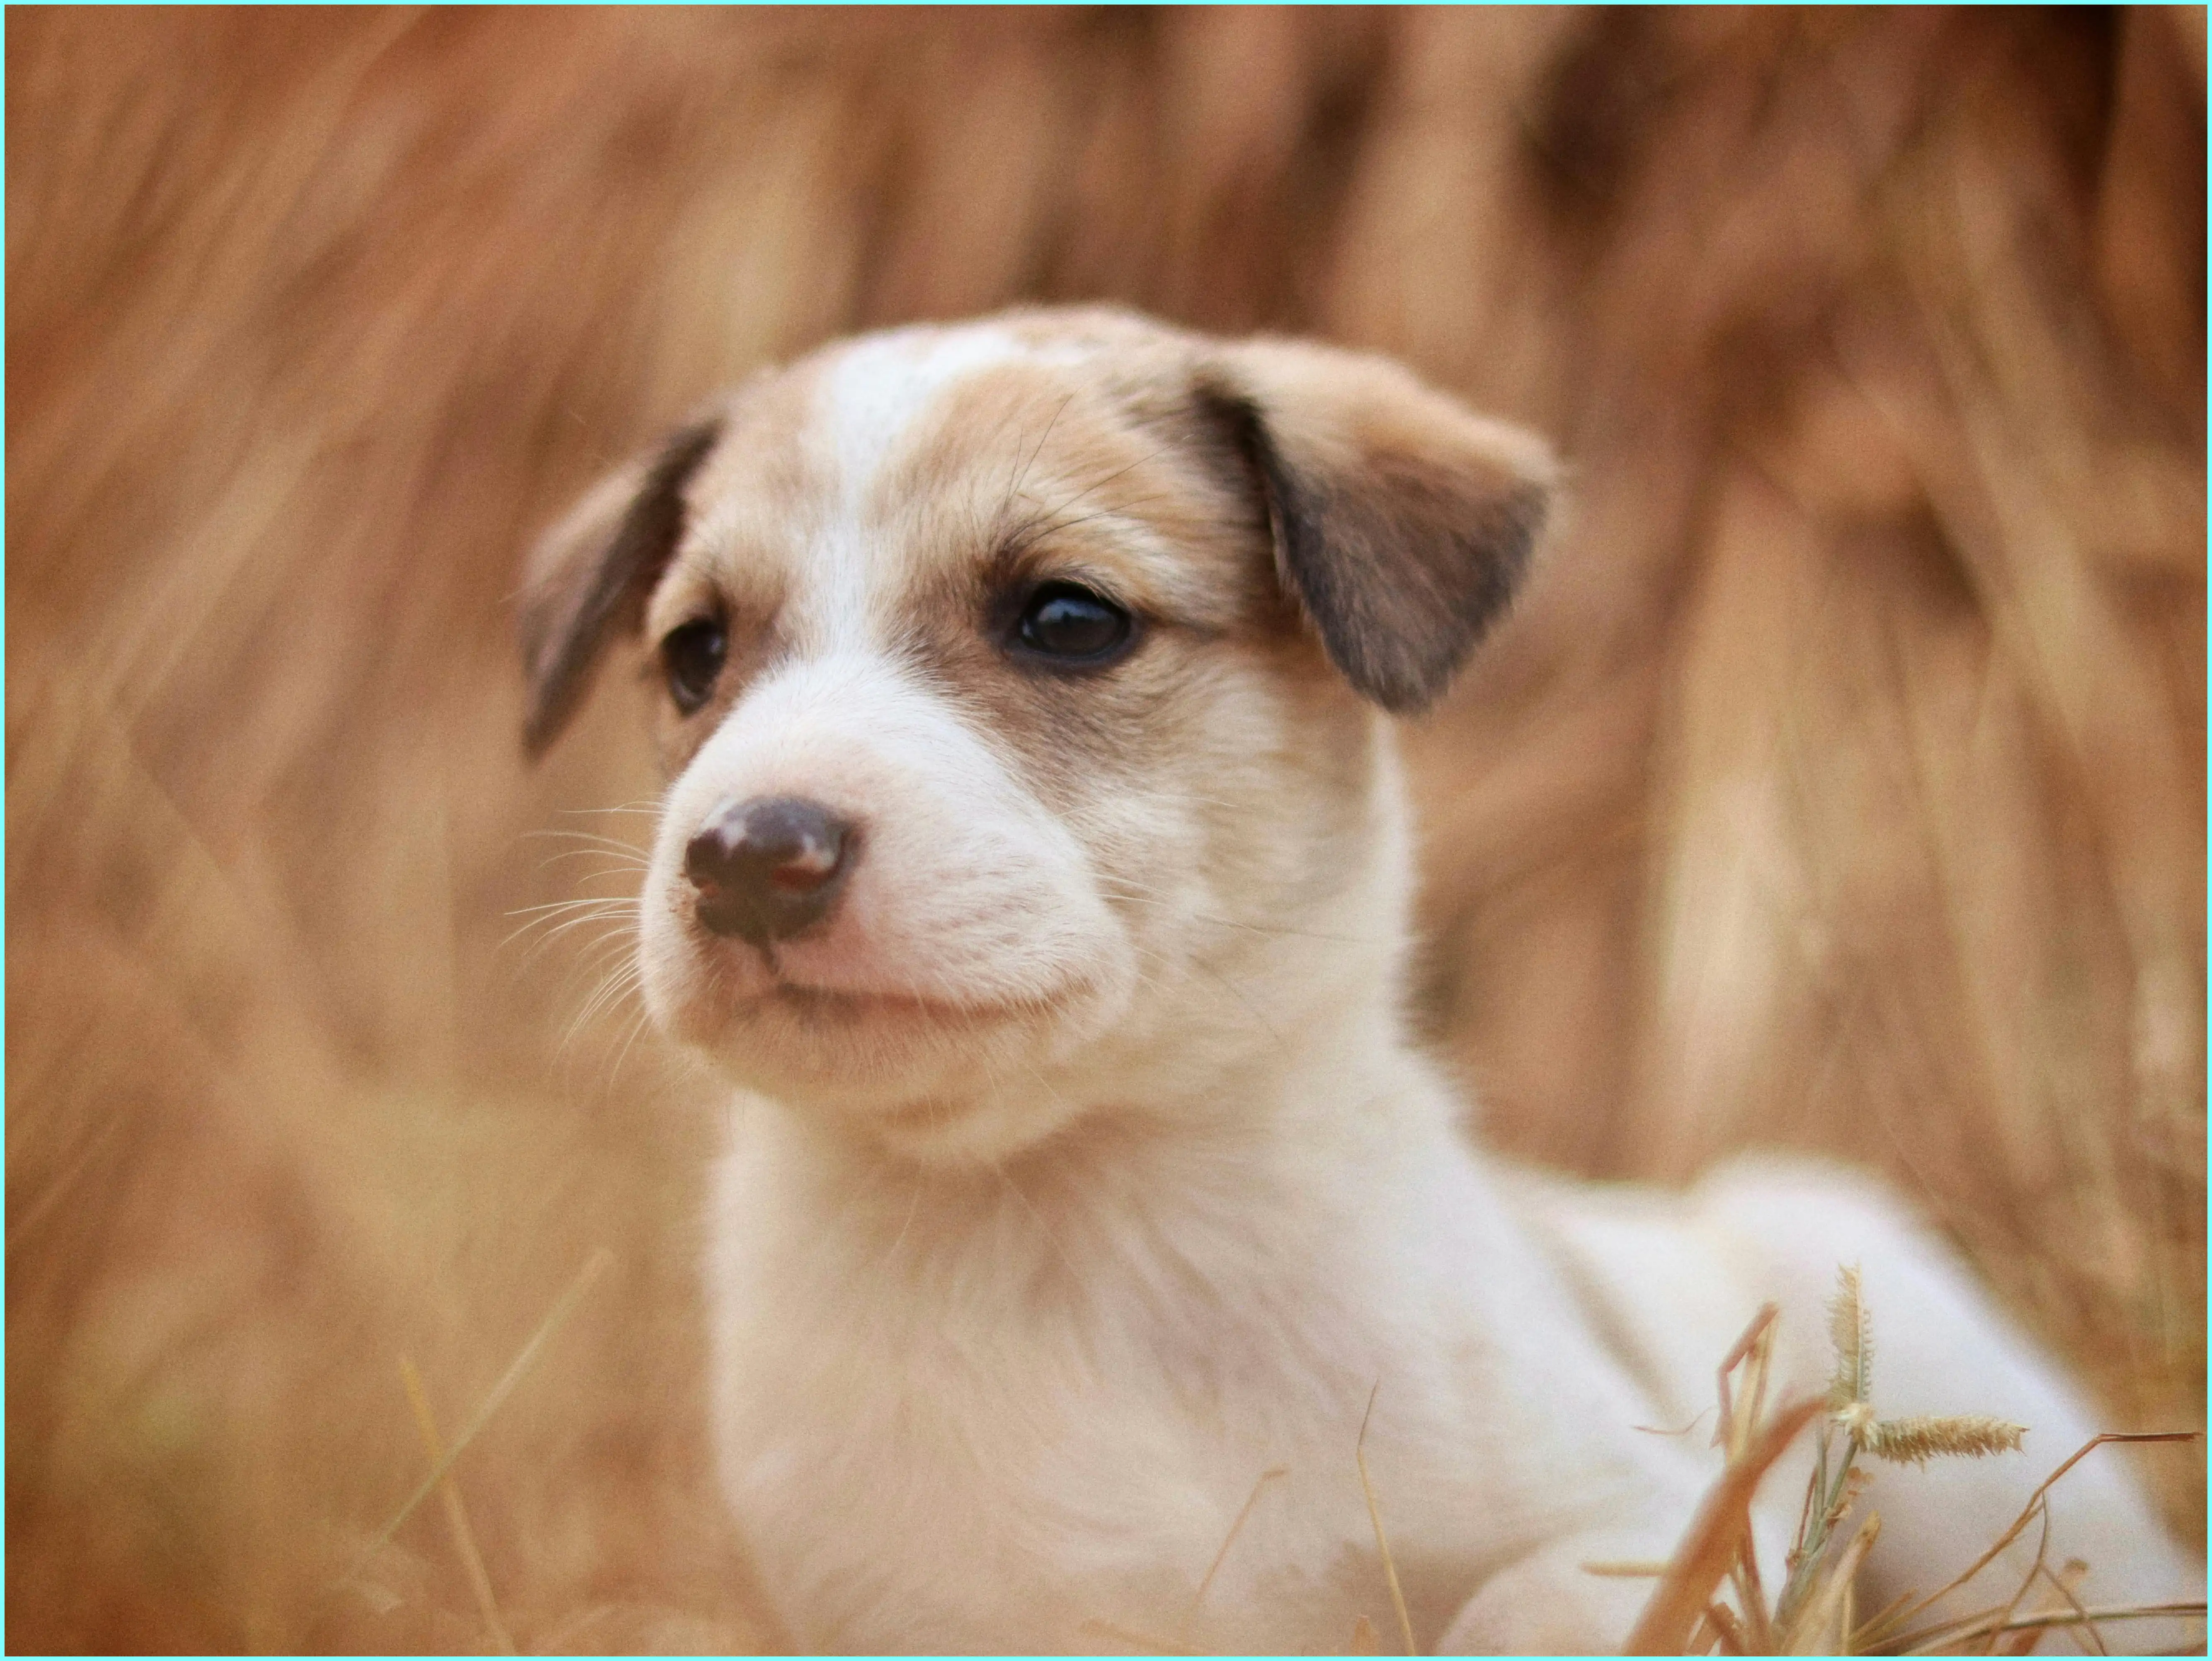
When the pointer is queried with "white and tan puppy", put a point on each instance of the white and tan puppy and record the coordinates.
(1036, 868)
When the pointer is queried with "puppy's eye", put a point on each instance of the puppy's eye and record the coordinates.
(692, 658)
(1066, 622)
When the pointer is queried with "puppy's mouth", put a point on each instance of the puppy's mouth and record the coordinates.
(872, 1006)
(830, 1006)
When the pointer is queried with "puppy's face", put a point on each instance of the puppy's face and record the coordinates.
(1021, 686)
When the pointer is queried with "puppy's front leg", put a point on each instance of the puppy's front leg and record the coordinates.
(1548, 1603)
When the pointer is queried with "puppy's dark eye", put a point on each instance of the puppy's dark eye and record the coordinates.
(1069, 624)
(692, 657)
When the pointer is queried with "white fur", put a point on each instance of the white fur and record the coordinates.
(1115, 1215)
(874, 390)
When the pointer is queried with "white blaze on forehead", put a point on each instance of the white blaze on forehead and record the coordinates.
(874, 396)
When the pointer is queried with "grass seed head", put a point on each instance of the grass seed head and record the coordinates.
(1916, 1440)
(1854, 1340)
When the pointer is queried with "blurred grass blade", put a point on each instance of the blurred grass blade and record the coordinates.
(524, 1359)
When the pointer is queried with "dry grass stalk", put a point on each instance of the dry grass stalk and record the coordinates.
(2067, 1583)
(525, 1359)
(2036, 1567)
(1244, 1516)
(1718, 1537)
(1739, 1410)
(457, 1515)
(1824, 1625)
(1718, 1629)
(1953, 1638)
(1813, 1613)
(1375, 1516)
(1891, 1632)
(1719, 1545)
(1831, 1492)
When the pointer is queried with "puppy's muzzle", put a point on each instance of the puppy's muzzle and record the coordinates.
(769, 868)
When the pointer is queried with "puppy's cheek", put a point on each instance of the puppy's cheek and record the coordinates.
(1105, 997)
(1152, 855)
(975, 898)
(1002, 931)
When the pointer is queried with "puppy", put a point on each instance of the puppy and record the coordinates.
(1036, 869)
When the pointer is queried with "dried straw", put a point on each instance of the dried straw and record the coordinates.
(1839, 784)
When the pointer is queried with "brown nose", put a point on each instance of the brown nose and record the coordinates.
(769, 868)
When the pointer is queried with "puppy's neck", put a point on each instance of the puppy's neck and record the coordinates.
(1340, 1089)
(1313, 1143)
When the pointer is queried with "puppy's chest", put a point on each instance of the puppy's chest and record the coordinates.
(1015, 1455)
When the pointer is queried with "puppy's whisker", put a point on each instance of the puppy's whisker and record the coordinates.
(614, 843)
(560, 928)
(611, 960)
(616, 865)
(616, 928)
(620, 862)
(612, 991)
(554, 923)
(638, 1021)
(589, 910)
(556, 906)
(600, 954)
(618, 978)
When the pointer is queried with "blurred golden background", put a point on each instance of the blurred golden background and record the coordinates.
(1839, 785)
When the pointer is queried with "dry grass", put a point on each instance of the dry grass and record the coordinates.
(1840, 785)
(1709, 1597)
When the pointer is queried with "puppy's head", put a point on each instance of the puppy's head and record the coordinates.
(1022, 686)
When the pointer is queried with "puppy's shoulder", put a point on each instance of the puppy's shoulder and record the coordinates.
(1795, 1222)
(1796, 1192)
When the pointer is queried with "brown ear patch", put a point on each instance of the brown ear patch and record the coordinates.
(1402, 522)
(593, 573)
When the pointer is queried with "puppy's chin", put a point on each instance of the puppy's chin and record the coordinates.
(933, 1077)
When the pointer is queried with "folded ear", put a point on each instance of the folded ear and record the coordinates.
(593, 572)
(1402, 520)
